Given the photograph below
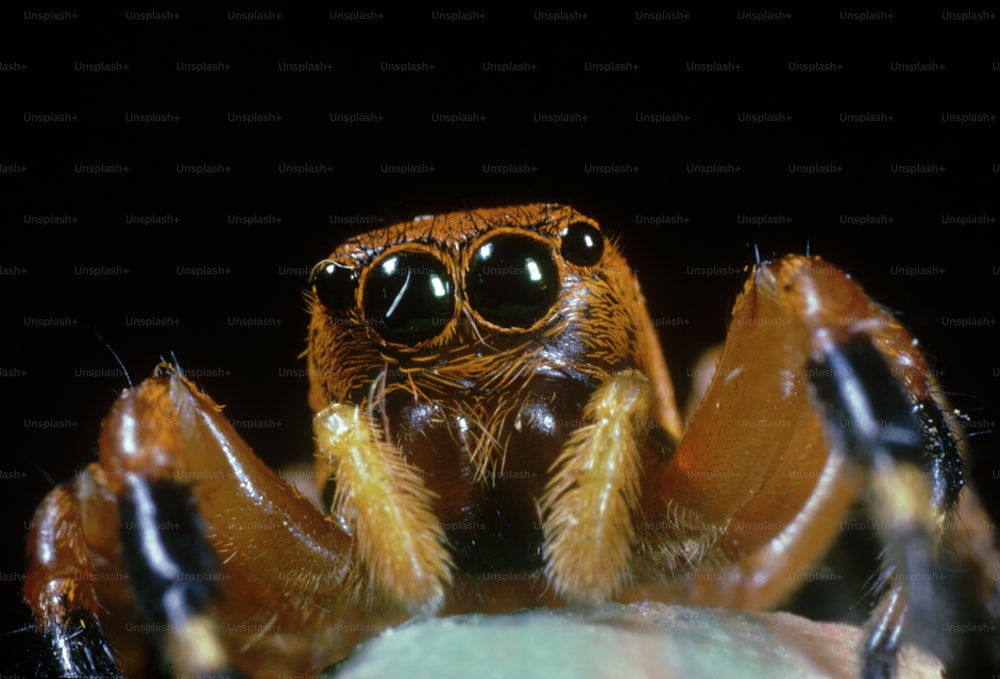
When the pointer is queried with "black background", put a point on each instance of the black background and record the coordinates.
(61, 222)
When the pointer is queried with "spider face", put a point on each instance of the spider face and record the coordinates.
(496, 429)
(476, 342)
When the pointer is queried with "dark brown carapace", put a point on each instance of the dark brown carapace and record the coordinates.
(496, 429)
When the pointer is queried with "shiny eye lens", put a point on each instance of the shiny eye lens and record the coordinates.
(512, 281)
(582, 244)
(408, 297)
(334, 285)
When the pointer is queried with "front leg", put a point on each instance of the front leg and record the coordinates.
(898, 434)
(59, 588)
(820, 397)
(229, 568)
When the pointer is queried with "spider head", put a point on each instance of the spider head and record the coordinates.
(474, 340)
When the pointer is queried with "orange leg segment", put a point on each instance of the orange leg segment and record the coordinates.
(753, 494)
(273, 578)
(748, 496)
(753, 455)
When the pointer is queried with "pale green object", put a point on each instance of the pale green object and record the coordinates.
(635, 641)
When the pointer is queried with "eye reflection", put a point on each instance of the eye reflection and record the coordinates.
(408, 298)
(512, 281)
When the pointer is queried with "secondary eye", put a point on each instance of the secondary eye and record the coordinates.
(582, 244)
(334, 285)
(408, 297)
(512, 281)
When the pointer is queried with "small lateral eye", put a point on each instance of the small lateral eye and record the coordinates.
(408, 297)
(582, 244)
(512, 281)
(334, 284)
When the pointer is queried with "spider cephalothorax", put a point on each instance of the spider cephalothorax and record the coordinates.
(474, 347)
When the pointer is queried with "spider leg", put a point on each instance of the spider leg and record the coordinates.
(820, 397)
(751, 495)
(915, 477)
(175, 573)
(59, 589)
(198, 547)
(912, 486)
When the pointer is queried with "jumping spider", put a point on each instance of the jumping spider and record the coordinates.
(490, 396)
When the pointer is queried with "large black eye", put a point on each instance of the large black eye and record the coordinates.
(512, 281)
(334, 285)
(582, 244)
(408, 297)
